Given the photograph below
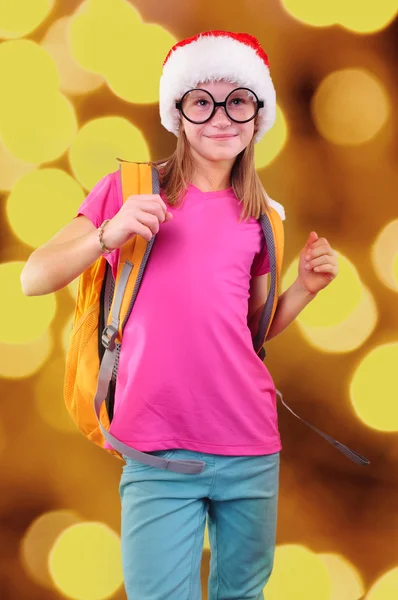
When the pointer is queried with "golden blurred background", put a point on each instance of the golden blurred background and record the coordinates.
(79, 87)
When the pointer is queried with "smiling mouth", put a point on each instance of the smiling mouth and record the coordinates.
(221, 137)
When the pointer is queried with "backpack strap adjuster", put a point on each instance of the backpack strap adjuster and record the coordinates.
(108, 337)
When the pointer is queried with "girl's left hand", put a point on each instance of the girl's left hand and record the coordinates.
(317, 264)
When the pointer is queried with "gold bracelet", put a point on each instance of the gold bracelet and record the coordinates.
(100, 230)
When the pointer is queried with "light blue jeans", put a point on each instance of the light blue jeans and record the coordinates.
(163, 523)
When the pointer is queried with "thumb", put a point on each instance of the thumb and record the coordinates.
(311, 239)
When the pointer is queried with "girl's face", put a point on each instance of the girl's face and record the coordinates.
(219, 139)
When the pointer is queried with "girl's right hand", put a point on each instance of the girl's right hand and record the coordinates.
(141, 214)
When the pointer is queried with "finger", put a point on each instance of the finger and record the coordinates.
(153, 208)
(328, 268)
(143, 231)
(312, 238)
(149, 220)
(320, 242)
(161, 201)
(319, 251)
(316, 262)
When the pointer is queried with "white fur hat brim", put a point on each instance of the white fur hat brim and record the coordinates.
(215, 58)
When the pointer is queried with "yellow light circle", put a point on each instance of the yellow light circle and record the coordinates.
(271, 145)
(23, 360)
(346, 581)
(73, 78)
(43, 132)
(350, 107)
(41, 203)
(99, 143)
(38, 541)
(99, 36)
(85, 562)
(384, 255)
(41, 129)
(100, 33)
(20, 17)
(317, 14)
(386, 588)
(12, 168)
(395, 269)
(26, 318)
(365, 17)
(25, 68)
(342, 316)
(334, 303)
(142, 84)
(298, 573)
(374, 388)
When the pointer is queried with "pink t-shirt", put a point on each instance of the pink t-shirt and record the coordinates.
(188, 374)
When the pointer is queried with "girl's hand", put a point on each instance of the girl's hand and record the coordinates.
(141, 214)
(317, 264)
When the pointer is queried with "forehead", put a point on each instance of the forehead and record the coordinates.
(221, 88)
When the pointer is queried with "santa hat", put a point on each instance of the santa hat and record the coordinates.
(213, 56)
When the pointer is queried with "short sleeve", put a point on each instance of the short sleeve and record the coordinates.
(261, 264)
(103, 201)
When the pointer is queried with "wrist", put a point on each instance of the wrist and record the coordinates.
(104, 248)
(302, 291)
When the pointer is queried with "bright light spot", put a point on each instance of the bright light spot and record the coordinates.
(342, 316)
(26, 317)
(365, 17)
(41, 203)
(99, 143)
(385, 255)
(85, 562)
(105, 37)
(12, 169)
(311, 12)
(42, 128)
(374, 388)
(38, 541)
(73, 78)
(20, 17)
(23, 360)
(298, 573)
(272, 143)
(355, 15)
(386, 588)
(350, 107)
(347, 583)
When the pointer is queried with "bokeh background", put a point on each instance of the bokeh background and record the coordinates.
(79, 87)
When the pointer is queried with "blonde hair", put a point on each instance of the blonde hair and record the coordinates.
(176, 172)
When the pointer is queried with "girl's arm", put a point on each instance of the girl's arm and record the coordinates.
(290, 305)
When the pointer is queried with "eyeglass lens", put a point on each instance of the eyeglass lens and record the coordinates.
(198, 105)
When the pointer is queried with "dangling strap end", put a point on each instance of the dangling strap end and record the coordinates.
(351, 454)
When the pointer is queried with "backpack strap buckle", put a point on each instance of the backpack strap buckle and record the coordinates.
(108, 336)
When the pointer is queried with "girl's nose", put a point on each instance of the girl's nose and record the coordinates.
(220, 116)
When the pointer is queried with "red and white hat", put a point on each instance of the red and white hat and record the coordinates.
(213, 56)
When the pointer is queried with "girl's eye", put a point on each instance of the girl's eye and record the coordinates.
(237, 101)
(202, 102)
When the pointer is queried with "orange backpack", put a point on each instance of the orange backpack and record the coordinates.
(103, 307)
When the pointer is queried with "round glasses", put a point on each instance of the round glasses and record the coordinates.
(198, 106)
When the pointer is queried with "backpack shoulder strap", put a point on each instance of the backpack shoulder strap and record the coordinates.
(136, 178)
(272, 226)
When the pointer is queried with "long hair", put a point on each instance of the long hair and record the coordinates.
(176, 172)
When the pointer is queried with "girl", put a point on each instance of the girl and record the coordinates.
(190, 385)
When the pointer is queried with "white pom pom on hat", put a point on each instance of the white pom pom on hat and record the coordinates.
(213, 56)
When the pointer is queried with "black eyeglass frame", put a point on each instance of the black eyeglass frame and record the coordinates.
(260, 104)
